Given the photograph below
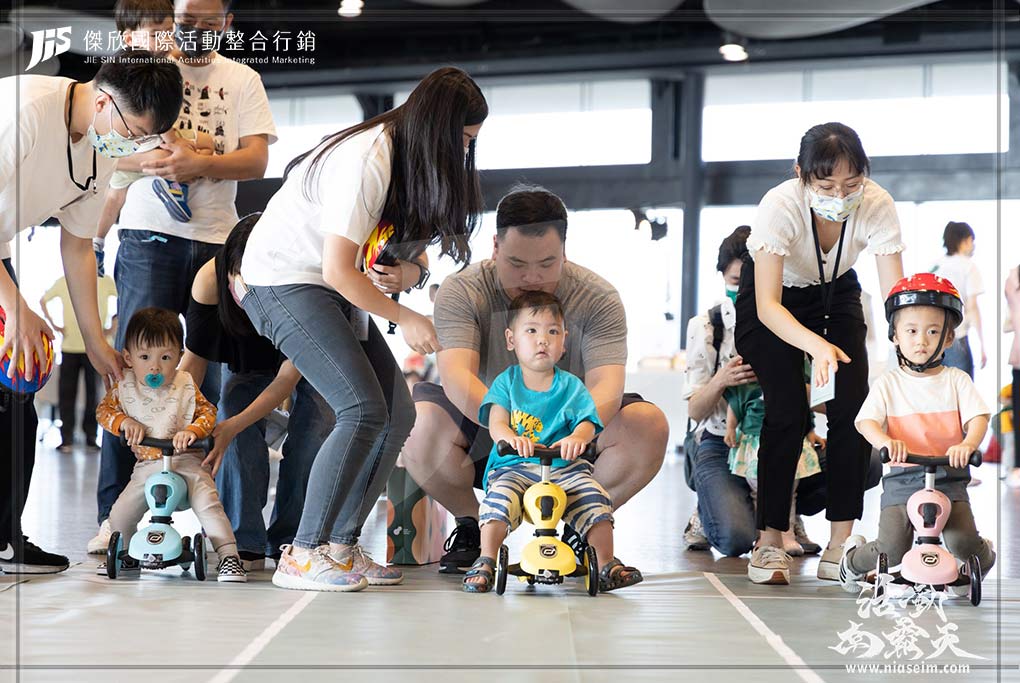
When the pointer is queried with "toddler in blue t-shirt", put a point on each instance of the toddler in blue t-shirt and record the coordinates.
(537, 403)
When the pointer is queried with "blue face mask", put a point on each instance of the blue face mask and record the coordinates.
(111, 145)
(731, 292)
(154, 380)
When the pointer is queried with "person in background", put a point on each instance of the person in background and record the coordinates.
(1012, 292)
(74, 362)
(958, 267)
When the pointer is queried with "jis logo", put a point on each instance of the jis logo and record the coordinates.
(49, 43)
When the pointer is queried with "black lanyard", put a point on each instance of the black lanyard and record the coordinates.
(70, 164)
(830, 289)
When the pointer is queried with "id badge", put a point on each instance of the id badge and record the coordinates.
(359, 321)
(824, 393)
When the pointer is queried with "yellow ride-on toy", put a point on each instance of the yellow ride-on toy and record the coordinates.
(546, 559)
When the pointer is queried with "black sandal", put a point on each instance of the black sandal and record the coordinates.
(616, 575)
(484, 567)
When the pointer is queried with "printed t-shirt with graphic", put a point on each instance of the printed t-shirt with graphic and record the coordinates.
(927, 413)
(227, 100)
(545, 417)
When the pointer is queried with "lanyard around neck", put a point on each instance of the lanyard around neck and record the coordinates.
(70, 163)
(830, 289)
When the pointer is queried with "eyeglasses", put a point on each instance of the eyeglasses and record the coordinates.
(138, 139)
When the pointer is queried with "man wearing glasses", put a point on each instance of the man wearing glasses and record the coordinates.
(58, 144)
(159, 254)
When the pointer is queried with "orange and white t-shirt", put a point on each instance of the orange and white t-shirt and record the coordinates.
(928, 413)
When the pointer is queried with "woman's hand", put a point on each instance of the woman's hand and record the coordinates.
(23, 335)
(418, 331)
(826, 359)
(223, 433)
(392, 279)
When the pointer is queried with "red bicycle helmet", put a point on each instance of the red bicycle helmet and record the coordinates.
(925, 289)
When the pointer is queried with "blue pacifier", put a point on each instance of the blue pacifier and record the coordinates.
(154, 379)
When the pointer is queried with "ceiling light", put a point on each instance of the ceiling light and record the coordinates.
(350, 8)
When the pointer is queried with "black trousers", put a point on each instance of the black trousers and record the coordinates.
(18, 423)
(71, 365)
(1016, 418)
(780, 371)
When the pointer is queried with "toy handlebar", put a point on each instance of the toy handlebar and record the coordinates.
(167, 445)
(975, 459)
(545, 455)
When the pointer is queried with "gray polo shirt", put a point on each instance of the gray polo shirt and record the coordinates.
(471, 313)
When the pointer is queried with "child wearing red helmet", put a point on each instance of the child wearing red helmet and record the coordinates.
(923, 408)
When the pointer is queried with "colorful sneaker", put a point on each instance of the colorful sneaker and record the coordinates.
(174, 197)
(769, 565)
(694, 534)
(362, 563)
(828, 565)
(463, 546)
(229, 570)
(809, 546)
(99, 543)
(128, 564)
(848, 578)
(25, 557)
(315, 570)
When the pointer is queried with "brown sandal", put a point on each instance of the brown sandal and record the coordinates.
(616, 575)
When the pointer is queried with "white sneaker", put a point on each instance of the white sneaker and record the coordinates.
(694, 534)
(848, 578)
(828, 565)
(98, 545)
(769, 565)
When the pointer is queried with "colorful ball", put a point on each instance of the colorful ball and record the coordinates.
(18, 384)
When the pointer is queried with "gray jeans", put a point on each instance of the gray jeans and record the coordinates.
(896, 536)
(365, 388)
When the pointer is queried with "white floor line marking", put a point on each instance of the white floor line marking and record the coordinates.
(777, 643)
(259, 643)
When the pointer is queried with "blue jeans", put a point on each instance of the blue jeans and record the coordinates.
(959, 356)
(243, 478)
(724, 499)
(366, 391)
(152, 269)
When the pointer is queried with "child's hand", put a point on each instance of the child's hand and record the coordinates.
(134, 431)
(183, 439)
(815, 440)
(959, 455)
(730, 439)
(897, 450)
(571, 447)
(523, 445)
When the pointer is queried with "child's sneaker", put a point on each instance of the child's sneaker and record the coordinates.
(694, 534)
(848, 578)
(99, 543)
(127, 564)
(362, 563)
(769, 565)
(174, 197)
(317, 571)
(229, 570)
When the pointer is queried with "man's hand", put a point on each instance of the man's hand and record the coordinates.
(223, 433)
(735, 372)
(134, 431)
(183, 165)
(23, 336)
(183, 439)
(897, 450)
(107, 362)
(959, 455)
(571, 447)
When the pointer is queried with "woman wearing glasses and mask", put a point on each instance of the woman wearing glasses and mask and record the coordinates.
(58, 144)
(800, 295)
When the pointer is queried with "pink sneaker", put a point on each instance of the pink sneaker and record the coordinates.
(315, 570)
(362, 563)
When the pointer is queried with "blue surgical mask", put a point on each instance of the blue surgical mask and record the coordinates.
(835, 209)
(731, 292)
(154, 380)
(111, 145)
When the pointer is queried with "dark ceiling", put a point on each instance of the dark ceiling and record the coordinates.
(393, 33)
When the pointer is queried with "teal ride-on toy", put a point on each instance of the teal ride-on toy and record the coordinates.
(546, 559)
(159, 545)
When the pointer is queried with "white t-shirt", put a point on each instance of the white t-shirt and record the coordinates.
(701, 362)
(34, 182)
(783, 227)
(966, 277)
(286, 244)
(225, 99)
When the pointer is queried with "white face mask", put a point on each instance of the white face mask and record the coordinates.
(835, 209)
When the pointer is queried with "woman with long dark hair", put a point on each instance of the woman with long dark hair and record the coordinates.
(406, 179)
(799, 294)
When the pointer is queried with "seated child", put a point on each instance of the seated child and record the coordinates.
(921, 408)
(156, 399)
(744, 417)
(537, 403)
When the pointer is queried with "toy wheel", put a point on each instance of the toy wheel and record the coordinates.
(881, 567)
(591, 578)
(185, 550)
(502, 569)
(974, 569)
(199, 548)
(113, 550)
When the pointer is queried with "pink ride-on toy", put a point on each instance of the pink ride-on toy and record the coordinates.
(929, 563)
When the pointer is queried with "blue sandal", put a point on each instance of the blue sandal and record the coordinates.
(484, 567)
